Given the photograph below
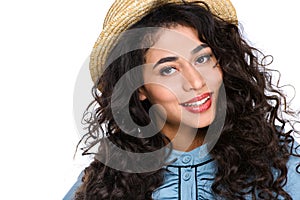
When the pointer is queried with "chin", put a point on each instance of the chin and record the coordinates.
(201, 123)
(205, 120)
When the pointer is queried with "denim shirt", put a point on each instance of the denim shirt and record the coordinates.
(191, 175)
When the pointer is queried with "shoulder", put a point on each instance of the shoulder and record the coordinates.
(293, 177)
(90, 170)
(71, 193)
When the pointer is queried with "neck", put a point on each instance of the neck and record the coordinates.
(186, 138)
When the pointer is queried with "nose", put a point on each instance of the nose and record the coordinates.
(193, 80)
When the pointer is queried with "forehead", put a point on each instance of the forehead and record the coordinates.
(179, 40)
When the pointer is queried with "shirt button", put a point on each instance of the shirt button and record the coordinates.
(186, 159)
(186, 176)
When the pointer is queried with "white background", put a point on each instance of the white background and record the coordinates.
(43, 45)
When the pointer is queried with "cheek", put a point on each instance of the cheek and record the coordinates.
(159, 94)
(219, 76)
(215, 79)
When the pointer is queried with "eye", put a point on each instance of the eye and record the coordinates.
(203, 59)
(167, 71)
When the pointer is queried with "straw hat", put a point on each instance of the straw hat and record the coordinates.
(124, 13)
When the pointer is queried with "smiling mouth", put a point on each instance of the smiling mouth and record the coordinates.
(199, 104)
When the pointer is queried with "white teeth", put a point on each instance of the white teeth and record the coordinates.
(197, 103)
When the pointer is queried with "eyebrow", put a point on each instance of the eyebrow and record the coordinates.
(199, 48)
(174, 58)
(166, 59)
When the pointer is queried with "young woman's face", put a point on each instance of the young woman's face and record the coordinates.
(182, 76)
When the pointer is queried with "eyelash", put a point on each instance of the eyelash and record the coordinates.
(164, 69)
(206, 58)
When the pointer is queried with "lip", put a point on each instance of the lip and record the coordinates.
(199, 98)
(199, 106)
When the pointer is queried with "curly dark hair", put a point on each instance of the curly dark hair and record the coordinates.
(254, 142)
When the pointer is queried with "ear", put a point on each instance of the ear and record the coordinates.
(142, 93)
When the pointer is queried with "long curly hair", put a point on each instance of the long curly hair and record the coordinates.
(254, 141)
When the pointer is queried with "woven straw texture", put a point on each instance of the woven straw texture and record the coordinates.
(124, 13)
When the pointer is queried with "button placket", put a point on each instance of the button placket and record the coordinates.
(187, 183)
(186, 176)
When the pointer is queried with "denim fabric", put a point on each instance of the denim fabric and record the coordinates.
(71, 193)
(191, 175)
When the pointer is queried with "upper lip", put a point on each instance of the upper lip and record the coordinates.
(198, 98)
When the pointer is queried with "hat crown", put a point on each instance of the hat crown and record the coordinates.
(124, 13)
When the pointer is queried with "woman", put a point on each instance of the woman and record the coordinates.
(186, 110)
